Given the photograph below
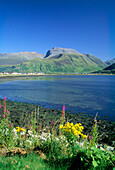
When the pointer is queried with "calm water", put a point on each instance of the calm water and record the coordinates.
(89, 94)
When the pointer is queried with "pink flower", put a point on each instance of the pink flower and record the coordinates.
(5, 98)
(4, 115)
(4, 110)
(10, 124)
(8, 111)
(52, 122)
(0, 106)
(64, 107)
(90, 137)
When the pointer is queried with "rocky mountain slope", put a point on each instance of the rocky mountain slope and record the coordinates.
(110, 62)
(56, 50)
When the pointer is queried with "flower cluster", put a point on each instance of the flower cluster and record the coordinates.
(70, 128)
(18, 129)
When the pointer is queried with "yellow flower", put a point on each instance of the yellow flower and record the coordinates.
(21, 129)
(18, 129)
(76, 133)
(71, 124)
(84, 136)
(73, 128)
(61, 126)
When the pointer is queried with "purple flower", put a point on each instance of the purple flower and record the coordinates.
(64, 107)
(8, 111)
(0, 106)
(4, 115)
(5, 98)
(52, 122)
(90, 137)
(10, 124)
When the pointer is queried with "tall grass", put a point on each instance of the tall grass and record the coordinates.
(62, 144)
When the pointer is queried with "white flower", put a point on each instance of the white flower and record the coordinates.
(22, 133)
(57, 138)
(30, 132)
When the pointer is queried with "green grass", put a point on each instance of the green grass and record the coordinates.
(31, 161)
(53, 146)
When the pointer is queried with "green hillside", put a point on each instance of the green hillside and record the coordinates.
(62, 63)
(108, 70)
(18, 58)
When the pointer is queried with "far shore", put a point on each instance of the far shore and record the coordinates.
(35, 75)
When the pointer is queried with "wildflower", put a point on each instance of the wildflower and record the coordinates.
(90, 137)
(18, 129)
(10, 124)
(8, 111)
(63, 115)
(71, 124)
(4, 104)
(5, 98)
(4, 115)
(84, 136)
(63, 107)
(21, 129)
(61, 126)
(52, 122)
(0, 106)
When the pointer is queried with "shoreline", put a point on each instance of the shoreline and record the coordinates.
(35, 75)
(20, 113)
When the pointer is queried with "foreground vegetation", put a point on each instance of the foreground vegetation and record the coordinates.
(60, 144)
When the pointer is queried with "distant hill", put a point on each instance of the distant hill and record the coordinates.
(110, 62)
(108, 70)
(59, 60)
(18, 58)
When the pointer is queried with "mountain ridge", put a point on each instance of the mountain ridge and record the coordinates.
(59, 50)
(110, 62)
(56, 60)
(18, 58)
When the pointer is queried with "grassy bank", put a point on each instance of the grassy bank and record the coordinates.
(20, 115)
(33, 137)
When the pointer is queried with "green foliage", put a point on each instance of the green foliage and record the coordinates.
(31, 161)
(59, 152)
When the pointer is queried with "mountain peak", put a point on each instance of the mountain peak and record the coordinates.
(59, 50)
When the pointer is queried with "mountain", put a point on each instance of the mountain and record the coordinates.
(110, 62)
(108, 70)
(56, 50)
(59, 60)
(18, 58)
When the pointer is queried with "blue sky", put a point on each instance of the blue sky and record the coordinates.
(39, 25)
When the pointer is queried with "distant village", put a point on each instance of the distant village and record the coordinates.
(15, 73)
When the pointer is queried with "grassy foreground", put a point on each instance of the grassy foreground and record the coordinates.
(34, 141)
